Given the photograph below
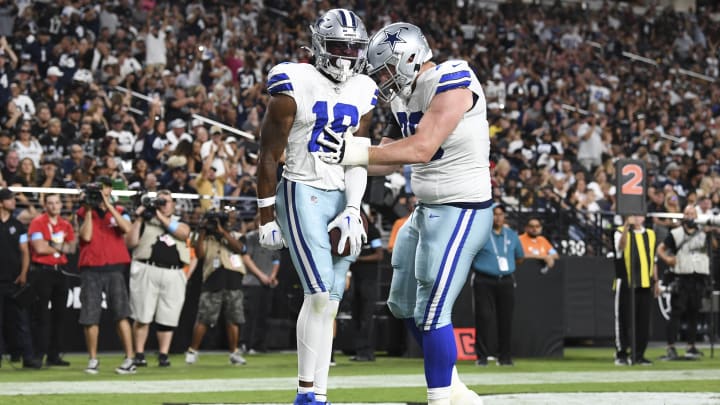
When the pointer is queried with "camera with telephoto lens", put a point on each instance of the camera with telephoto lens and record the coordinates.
(151, 205)
(93, 194)
(213, 219)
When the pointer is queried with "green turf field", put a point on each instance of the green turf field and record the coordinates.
(270, 378)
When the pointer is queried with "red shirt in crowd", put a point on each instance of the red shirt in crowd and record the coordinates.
(107, 245)
(41, 228)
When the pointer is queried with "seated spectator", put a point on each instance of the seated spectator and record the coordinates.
(536, 246)
(27, 145)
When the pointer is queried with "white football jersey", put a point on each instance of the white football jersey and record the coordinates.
(460, 170)
(320, 101)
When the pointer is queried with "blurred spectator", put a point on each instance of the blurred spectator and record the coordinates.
(536, 246)
(77, 156)
(54, 144)
(258, 291)
(365, 289)
(211, 182)
(409, 205)
(27, 145)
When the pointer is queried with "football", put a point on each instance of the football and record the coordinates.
(334, 235)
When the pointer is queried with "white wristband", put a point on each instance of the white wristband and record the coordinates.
(266, 202)
(356, 151)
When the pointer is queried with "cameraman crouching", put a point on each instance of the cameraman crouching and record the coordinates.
(226, 262)
(157, 280)
(103, 260)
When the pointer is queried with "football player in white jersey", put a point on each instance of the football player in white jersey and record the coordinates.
(443, 132)
(311, 103)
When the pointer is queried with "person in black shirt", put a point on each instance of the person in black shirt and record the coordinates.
(53, 142)
(13, 276)
(365, 292)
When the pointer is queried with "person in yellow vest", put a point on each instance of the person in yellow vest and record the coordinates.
(157, 279)
(226, 263)
(635, 268)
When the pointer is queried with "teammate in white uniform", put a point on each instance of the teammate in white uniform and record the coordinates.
(310, 104)
(441, 113)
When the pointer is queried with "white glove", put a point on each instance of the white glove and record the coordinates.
(334, 145)
(271, 237)
(351, 230)
(344, 149)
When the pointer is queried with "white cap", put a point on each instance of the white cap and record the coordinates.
(177, 123)
(196, 123)
(54, 71)
(231, 139)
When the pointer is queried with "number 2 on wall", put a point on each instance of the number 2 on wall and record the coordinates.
(633, 185)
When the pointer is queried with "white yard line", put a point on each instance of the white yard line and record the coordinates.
(125, 385)
(634, 398)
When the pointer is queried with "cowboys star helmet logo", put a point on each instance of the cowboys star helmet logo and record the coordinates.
(393, 39)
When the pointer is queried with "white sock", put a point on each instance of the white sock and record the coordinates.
(322, 367)
(311, 333)
(460, 394)
(438, 396)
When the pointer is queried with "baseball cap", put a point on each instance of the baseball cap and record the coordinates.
(215, 130)
(6, 194)
(672, 166)
(104, 180)
(196, 123)
(231, 139)
(177, 123)
(54, 71)
(176, 161)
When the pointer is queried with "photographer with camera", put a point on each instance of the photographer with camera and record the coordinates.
(685, 251)
(103, 261)
(157, 282)
(226, 263)
(51, 238)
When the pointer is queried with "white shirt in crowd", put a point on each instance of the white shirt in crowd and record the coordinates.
(34, 151)
(125, 140)
(155, 50)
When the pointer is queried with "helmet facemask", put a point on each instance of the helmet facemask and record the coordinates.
(395, 55)
(390, 81)
(339, 44)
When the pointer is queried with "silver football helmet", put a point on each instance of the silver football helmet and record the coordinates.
(339, 44)
(395, 55)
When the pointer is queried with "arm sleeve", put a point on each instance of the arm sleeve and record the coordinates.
(355, 183)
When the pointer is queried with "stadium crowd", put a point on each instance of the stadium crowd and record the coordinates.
(120, 88)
